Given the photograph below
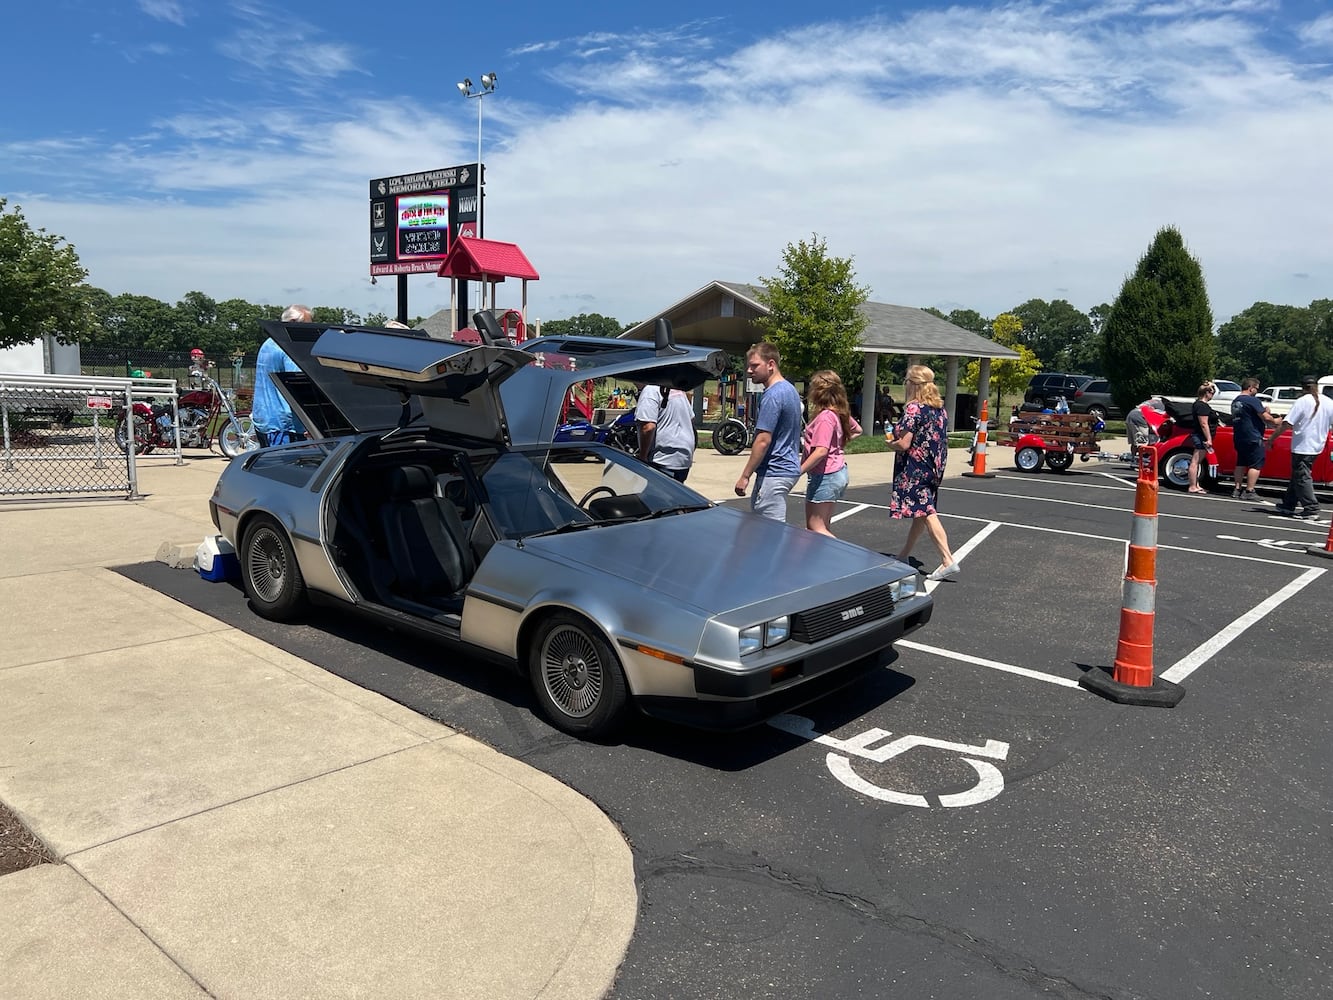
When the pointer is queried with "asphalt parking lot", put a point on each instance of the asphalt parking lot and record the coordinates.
(970, 822)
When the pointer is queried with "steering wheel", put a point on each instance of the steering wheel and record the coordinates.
(594, 491)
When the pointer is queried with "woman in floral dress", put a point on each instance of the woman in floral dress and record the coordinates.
(920, 441)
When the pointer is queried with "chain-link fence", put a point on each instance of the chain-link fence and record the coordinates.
(232, 372)
(58, 435)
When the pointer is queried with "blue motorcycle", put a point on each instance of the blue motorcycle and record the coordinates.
(621, 433)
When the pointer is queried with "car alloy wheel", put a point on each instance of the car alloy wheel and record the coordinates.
(576, 676)
(269, 573)
(1097, 413)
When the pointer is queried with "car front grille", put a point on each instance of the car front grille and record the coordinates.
(827, 620)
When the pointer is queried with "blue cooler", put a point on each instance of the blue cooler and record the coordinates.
(215, 560)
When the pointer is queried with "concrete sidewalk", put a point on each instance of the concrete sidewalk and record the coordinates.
(235, 822)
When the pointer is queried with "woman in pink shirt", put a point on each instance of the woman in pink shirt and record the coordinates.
(822, 444)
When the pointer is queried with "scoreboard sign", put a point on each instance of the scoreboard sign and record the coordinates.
(413, 218)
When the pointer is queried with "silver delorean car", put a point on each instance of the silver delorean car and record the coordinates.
(429, 497)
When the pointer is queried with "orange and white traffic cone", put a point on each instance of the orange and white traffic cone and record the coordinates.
(1325, 550)
(979, 453)
(1131, 681)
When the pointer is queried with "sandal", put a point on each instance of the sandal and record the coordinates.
(1197, 489)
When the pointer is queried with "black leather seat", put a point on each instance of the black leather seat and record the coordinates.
(424, 536)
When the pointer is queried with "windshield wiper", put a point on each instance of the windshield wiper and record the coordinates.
(686, 508)
(568, 526)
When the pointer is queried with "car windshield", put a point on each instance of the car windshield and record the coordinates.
(1224, 386)
(546, 490)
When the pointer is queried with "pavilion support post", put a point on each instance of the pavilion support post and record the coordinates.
(951, 392)
(983, 383)
(869, 387)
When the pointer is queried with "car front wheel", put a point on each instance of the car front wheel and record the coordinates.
(1176, 469)
(269, 573)
(577, 678)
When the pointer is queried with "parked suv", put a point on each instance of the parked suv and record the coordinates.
(1094, 399)
(1047, 387)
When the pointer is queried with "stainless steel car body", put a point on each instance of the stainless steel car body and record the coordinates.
(668, 580)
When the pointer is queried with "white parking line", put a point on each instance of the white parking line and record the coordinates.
(981, 661)
(848, 513)
(1191, 662)
(965, 548)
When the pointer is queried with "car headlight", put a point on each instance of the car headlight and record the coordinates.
(770, 633)
(904, 588)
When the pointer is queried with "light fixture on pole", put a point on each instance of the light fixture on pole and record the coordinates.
(487, 87)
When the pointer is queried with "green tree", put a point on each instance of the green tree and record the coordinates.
(1007, 375)
(41, 284)
(1052, 330)
(1276, 344)
(1159, 334)
(970, 319)
(814, 317)
(139, 321)
(584, 325)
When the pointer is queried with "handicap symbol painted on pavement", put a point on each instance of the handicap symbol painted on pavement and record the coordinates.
(990, 782)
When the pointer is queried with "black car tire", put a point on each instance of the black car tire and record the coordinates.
(576, 677)
(1028, 459)
(270, 576)
(1059, 461)
(1097, 412)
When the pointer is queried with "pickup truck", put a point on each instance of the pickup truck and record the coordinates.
(1280, 398)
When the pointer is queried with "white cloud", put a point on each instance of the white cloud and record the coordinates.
(966, 157)
(164, 10)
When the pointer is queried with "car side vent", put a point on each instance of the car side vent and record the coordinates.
(817, 624)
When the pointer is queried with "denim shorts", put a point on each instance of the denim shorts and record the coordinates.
(826, 487)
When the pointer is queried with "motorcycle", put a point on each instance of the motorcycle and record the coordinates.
(621, 433)
(201, 411)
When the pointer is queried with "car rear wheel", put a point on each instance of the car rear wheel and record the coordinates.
(1059, 461)
(1176, 469)
(269, 573)
(1028, 459)
(1097, 413)
(577, 678)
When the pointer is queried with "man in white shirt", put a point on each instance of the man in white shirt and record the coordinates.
(666, 430)
(1310, 419)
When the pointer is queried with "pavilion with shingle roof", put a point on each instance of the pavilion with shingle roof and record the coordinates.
(721, 315)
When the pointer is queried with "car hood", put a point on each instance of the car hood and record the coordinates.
(680, 556)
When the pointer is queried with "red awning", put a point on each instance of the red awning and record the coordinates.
(473, 259)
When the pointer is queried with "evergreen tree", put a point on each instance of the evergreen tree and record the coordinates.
(814, 314)
(1159, 334)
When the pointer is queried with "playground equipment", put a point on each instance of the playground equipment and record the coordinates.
(488, 262)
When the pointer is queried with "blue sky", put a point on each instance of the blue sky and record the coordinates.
(969, 155)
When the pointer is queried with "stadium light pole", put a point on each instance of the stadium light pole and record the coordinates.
(465, 88)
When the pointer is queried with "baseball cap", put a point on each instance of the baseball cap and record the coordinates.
(197, 353)
(1309, 380)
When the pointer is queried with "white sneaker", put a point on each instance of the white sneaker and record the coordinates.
(945, 572)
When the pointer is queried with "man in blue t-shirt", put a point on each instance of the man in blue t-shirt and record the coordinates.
(269, 412)
(775, 456)
(1250, 421)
